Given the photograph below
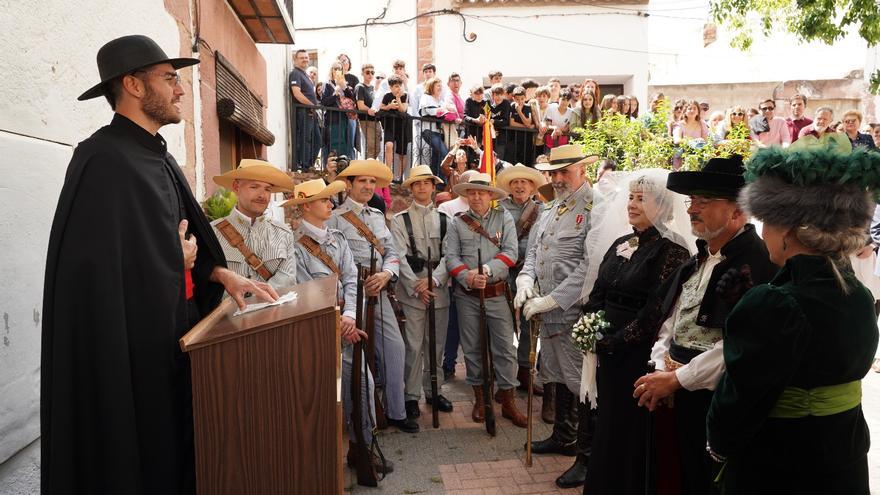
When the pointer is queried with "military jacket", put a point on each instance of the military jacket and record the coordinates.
(516, 211)
(426, 233)
(555, 257)
(360, 247)
(271, 241)
(310, 267)
(462, 243)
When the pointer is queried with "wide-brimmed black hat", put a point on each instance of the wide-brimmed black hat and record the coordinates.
(128, 54)
(720, 178)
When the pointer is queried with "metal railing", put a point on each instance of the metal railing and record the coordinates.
(398, 139)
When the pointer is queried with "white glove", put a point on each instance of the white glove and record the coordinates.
(539, 305)
(525, 290)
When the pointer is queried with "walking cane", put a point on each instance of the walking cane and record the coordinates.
(534, 324)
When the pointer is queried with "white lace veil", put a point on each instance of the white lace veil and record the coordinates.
(609, 219)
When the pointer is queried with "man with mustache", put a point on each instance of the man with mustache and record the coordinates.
(522, 184)
(256, 246)
(689, 310)
(550, 284)
(132, 264)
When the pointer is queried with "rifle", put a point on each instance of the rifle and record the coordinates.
(432, 346)
(487, 355)
(363, 460)
(534, 325)
(370, 328)
(399, 315)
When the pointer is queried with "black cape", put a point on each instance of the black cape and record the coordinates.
(116, 398)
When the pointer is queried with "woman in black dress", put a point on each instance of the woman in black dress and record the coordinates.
(632, 269)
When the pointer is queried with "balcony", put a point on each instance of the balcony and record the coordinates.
(267, 21)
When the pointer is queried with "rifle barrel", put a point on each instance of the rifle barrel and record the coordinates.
(432, 347)
(487, 355)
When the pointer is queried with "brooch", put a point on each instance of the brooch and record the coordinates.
(626, 249)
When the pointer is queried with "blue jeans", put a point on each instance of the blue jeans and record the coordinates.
(438, 149)
(307, 139)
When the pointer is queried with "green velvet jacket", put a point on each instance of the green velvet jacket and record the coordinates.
(799, 330)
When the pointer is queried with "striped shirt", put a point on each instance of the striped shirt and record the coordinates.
(271, 241)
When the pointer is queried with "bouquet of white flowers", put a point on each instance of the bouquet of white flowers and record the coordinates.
(585, 333)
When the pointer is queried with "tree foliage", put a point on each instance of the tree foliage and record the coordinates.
(810, 20)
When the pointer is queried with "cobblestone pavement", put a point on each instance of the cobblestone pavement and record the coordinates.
(460, 458)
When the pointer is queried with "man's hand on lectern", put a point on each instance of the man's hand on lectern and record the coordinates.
(237, 286)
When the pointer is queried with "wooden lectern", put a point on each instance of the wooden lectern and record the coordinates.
(266, 407)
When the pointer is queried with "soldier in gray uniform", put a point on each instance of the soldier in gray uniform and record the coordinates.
(551, 283)
(492, 231)
(522, 183)
(364, 227)
(417, 231)
(256, 246)
(323, 252)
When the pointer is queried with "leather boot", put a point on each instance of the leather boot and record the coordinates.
(509, 410)
(563, 440)
(577, 473)
(548, 404)
(523, 376)
(479, 413)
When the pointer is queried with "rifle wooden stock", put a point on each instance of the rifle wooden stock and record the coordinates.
(487, 355)
(432, 346)
(363, 460)
(370, 329)
(399, 315)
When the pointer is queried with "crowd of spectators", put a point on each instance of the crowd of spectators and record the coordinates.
(405, 122)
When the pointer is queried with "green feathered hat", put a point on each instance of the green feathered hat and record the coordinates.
(822, 183)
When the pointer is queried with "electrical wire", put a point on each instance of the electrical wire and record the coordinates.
(483, 18)
(573, 42)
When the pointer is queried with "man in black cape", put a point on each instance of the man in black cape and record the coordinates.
(124, 281)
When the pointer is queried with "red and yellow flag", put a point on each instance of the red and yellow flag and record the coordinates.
(487, 161)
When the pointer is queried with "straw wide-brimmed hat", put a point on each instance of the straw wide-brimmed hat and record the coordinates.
(250, 169)
(127, 54)
(565, 156)
(421, 172)
(369, 168)
(313, 190)
(519, 171)
(481, 182)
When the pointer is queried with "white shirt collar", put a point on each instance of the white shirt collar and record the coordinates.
(315, 232)
(243, 219)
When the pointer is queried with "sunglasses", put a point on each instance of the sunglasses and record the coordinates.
(767, 109)
(370, 72)
(850, 121)
(737, 114)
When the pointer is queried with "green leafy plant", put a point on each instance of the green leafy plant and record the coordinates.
(827, 21)
(219, 204)
(645, 143)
